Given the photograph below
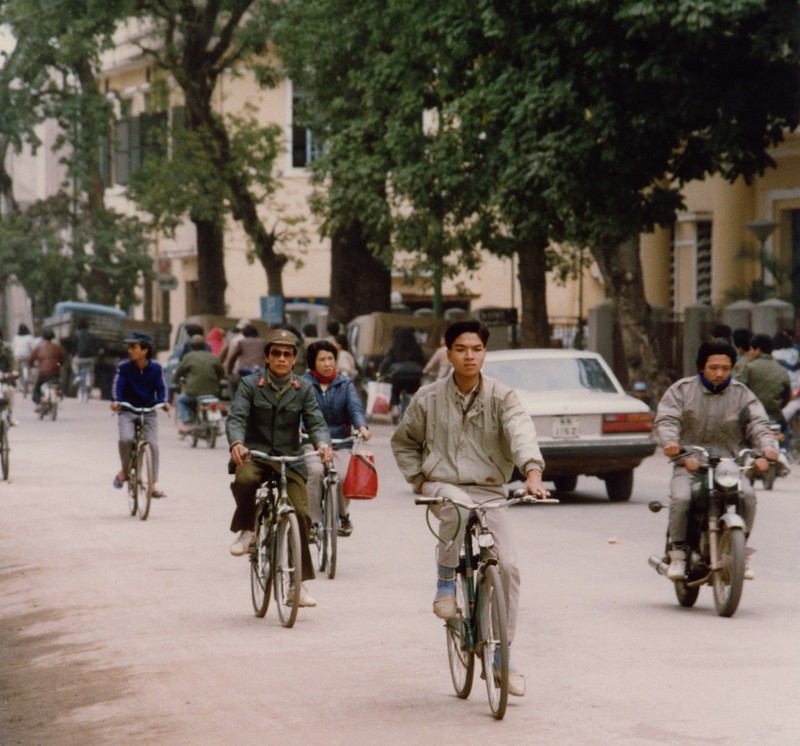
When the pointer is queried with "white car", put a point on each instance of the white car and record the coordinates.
(585, 421)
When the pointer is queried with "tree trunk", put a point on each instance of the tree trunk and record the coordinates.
(532, 275)
(211, 282)
(272, 263)
(96, 283)
(621, 268)
(360, 282)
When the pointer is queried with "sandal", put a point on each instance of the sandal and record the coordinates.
(118, 483)
(158, 493)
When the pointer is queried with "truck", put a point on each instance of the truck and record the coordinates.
(110, 327)
(370, 337)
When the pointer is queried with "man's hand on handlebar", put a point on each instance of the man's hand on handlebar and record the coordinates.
(534, 486)
(239, 453)
(325, 453)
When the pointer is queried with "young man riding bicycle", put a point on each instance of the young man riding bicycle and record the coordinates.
(461, 437)
(139, 380)
(265, 416)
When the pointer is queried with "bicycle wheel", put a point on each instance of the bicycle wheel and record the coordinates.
(331, 527)
(287, 574)
(729, 578)
(133, 478)
(261, 567)
(459, 651)
(4, 449)
(144, 481)
(494, 640)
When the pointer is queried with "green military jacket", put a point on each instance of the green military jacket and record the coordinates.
(769, 381)
(265, 423)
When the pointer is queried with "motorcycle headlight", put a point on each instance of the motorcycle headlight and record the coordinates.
(727, 475)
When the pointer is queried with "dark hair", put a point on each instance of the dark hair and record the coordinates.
(23, 329)
(342, 340)
(315, 348)
(192, 329)
(310, 330)
(780, 341)
(48, 334)
(405, 346)
(718, 347)
(741, 338)
(721, 331)
(333, 328)
(249, 331)
(465, 326)
(762, 342)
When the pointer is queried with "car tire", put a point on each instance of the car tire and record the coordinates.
(566, 484)
(619, 486)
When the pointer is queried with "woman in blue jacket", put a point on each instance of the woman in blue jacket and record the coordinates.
(341, 407)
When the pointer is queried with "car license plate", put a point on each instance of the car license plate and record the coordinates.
(214, 415)
(565, 426)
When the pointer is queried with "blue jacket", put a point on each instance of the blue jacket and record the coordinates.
(340, 404)
(141, 387)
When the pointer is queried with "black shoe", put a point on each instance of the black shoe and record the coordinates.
(345, 526)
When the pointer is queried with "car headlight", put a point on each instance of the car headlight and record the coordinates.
(727, 475)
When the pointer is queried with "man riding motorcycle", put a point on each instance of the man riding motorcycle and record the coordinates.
(714, 411)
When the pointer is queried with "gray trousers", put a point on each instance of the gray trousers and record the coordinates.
(341, 459)
(680, 496)
(127, 427)
(497, 521)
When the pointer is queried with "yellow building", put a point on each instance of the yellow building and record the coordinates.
(713, 255)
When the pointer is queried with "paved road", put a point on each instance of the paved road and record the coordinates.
(118, 631)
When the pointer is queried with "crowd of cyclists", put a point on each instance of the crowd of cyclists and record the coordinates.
(461, 436)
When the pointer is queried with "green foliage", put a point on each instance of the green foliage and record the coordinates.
(69, 243)
(53, 255)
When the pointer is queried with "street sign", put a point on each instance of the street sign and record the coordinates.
(167, 282)
(272, 309)
(498, 316)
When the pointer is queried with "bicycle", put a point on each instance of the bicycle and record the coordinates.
(5, 424)
(50, 396)
(140, 464)
(275, 556)
(327, 530)
(480, 626)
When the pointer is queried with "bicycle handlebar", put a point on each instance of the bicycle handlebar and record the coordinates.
(516, 497)
(262, 456)
(141, 410)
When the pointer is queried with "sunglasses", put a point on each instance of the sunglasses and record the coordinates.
(281, 353)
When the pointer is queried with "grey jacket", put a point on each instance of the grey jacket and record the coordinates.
(689, 414)
(437, 442)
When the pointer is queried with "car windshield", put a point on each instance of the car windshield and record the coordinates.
(551, 374)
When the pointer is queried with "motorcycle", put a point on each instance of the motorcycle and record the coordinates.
(715, 539)
(50, 397)
(206, 421)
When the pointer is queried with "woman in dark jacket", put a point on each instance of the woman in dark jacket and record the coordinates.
(341, 407)
(403, 367)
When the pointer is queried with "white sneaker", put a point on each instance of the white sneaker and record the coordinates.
(749, 573)
(306, 599)
(677, 564)
(13, 421)
(516, 683)
(242, 544)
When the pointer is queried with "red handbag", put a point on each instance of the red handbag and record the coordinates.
(361, 480)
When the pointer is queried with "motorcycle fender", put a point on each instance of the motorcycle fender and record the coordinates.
(732, 520)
